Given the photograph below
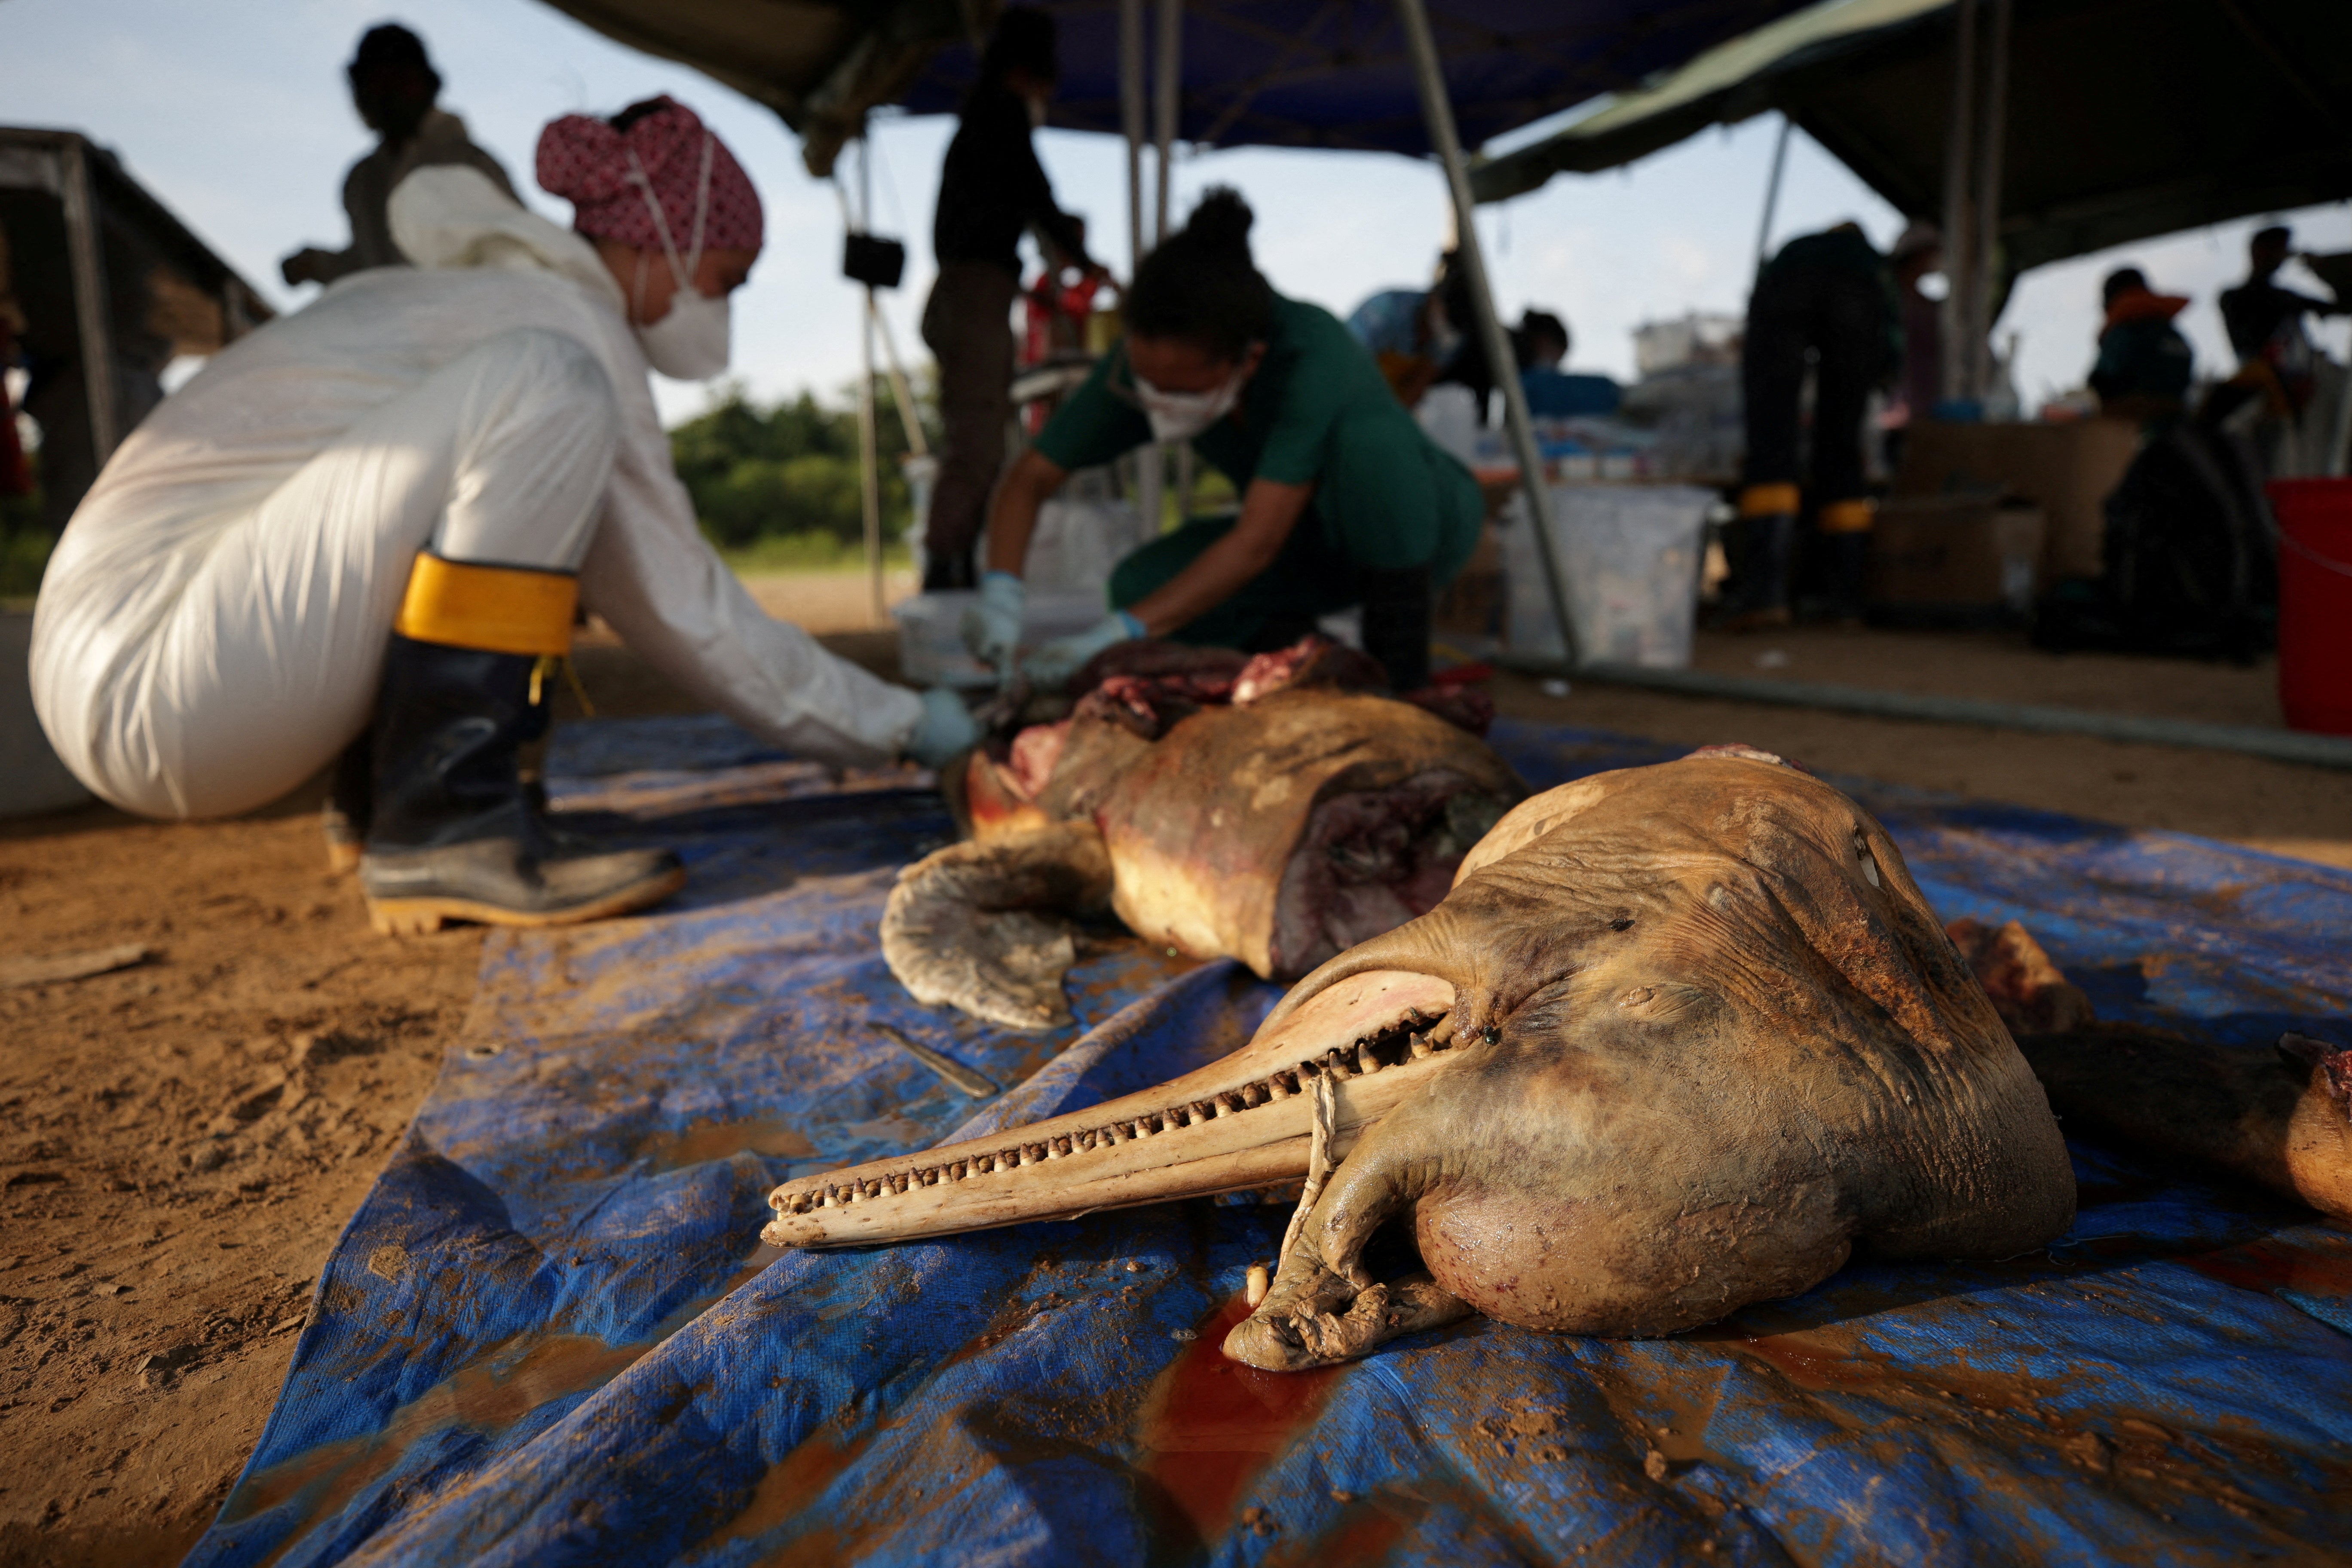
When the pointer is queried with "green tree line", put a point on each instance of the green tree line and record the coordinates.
(790, 470)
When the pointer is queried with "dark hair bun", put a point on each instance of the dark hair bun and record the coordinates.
(1201, 286)
(1222, 222)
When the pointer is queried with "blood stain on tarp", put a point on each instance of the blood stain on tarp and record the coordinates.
(509, 1382)
(703, 1139)
(2275, 1264)
(1209, 1424)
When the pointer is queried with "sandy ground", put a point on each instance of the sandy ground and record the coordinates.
(181, 1141)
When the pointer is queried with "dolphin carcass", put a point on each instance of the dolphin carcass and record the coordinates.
(1275, 810)
(1679, 1038)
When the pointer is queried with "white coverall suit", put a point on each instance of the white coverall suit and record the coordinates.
(213, 624)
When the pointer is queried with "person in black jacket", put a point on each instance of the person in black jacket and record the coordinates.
(991, 189)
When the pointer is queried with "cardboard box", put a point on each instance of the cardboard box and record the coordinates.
(2068, 471)
(1939, 558)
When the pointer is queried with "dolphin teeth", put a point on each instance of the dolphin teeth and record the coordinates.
(1366, 1062)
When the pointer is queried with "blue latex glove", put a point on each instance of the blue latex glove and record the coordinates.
(947, 729)
(992, 628)
(1052, 665)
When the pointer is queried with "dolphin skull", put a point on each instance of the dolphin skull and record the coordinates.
(1679, 1039)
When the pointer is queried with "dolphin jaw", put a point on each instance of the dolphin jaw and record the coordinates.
(1242, 1121)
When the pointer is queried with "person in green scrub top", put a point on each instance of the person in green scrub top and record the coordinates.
(1344, 501)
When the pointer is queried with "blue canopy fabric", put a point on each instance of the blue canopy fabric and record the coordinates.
(1336, 73)
(549, 1334)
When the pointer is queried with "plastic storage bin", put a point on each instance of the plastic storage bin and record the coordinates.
(930, 633)
(2315, 625)
(1631, 557)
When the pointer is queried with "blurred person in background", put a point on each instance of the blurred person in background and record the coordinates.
(2145, 365)
(1826, 303)
(1916, 256)
(2278, 364)
(1540, 341)
(1345, 502)
(992, 189)
(1428, 336)
(394, 87)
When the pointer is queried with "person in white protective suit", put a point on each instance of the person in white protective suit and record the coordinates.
(369, 524)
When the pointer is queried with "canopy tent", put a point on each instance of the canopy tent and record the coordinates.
(2123, 117)
(821, 66)
(1297, 73)
(1385, 75)
(1339, 73)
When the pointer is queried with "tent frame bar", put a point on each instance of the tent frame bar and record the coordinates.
(2277, 745)
(1437, 110)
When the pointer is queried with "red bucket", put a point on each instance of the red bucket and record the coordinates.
(2314, 626)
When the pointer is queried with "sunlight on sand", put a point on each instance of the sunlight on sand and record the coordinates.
(825, 601)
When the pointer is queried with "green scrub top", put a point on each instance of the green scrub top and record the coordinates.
(1319, 412)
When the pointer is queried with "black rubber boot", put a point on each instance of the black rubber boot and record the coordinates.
(1849, 563)
(453, 834)
(951, 573)
(1396, 624)
(1761, 593)
(344, 818)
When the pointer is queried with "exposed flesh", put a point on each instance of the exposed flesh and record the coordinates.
(2283, 1120)
(1679, 1039)
(1276, 833)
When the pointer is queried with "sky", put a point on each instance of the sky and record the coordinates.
(238, 118)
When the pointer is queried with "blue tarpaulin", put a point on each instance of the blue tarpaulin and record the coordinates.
(549, 1334)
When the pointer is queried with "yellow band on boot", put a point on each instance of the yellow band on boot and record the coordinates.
(497, 609)
(1765, 501)
(1849, 516)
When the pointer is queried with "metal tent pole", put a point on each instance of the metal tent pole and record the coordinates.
(1959, 249)
(1437, 114)
(1986, 235)
(869, 466)
(1167, 93)
(1772, 194)
(1132, 92)
(902, 390)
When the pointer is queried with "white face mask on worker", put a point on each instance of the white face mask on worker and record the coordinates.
(1180, 415)
(692, 340)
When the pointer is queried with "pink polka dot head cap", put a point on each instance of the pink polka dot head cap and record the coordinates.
(607, 170)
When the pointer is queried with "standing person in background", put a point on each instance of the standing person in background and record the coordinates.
(1420, 336)
(2265, 321)
(1826, 301)
(394, 87)
(2145, 365)
(2276, 360)
(1918, 253)
(992, 188)
(1344, 501)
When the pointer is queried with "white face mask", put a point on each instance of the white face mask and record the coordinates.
(1180, 415)
(691, 341)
